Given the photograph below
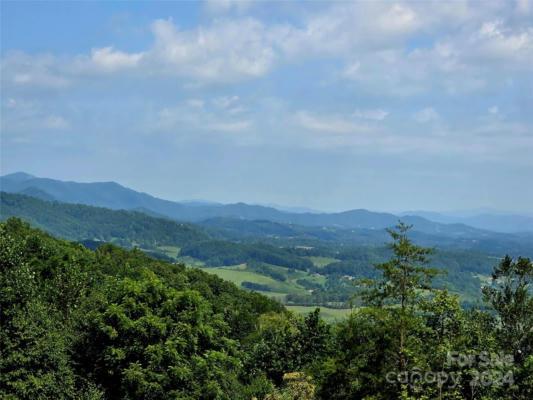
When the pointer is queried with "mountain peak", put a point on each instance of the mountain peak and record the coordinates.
(19, 176)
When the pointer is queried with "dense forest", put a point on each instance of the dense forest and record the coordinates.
(277, 258)
(116, 324)
(80, 222)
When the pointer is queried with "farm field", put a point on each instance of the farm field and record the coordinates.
(321, 261)
(238, 274)
(281, 297)
(329, 314)
(191, 262)
(170, 251)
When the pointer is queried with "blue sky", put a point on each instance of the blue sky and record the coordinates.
(384, 105)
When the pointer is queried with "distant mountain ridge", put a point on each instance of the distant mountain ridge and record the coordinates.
(81, 222)
(149, 229)
(113, 195)
(495, 221)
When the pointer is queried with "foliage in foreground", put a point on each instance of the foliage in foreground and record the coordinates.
(116, 324)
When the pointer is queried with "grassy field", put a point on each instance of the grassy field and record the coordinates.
(278, 289)
(191, 262)
(329, 314)
(294, 275)
(170, 251)
(316, 279)
(321, 261)
(281, 297)
(237, 274)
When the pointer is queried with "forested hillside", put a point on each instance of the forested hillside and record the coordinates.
(80, 222)
(116, 324)
(300, 266)
(282, 233)
(115, 196)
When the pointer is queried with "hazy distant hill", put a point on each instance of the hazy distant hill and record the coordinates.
(266, 250)
(494, 221)
(297, 235)
(81, 222)
(112, 195)
(103, 194)
(145, 227)
(93, 225)
(36, 192)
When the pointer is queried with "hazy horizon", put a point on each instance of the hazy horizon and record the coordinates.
(326, 105)
(302, 208)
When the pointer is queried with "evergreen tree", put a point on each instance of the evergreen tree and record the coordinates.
(405, 279)
(510, 295)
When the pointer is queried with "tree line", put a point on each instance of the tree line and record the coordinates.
(117, 324)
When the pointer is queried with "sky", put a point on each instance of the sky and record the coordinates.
(383, 105)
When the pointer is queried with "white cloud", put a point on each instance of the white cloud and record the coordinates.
(21, 116)
(55, 122)
(221, 6)
(334, 124)
(371, 48)
(30, 118)
(42, 71)
(345, 28)
(40, 78)
(399, 18)
(351, 70)
(426, 115)
(192, 118)
(524, 7)
(464, 60)
(231, 49)
(113, 60)
(502, 129)
(226, 51)
(495, 41)
(230, 104)
(195, 103)
(377, 114)
(225, 101)
(236, 126)
(236, 110)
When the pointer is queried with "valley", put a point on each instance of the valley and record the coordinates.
(300, 266)
(266, 200)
